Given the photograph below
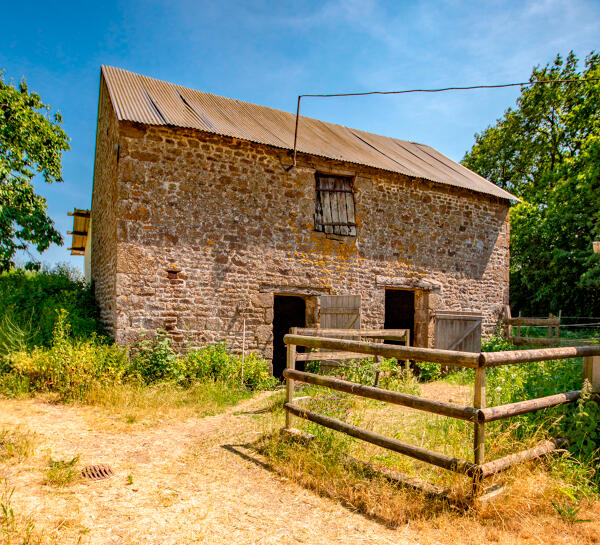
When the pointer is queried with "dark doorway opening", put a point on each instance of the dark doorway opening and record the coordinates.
(288, 311)
(400, 312)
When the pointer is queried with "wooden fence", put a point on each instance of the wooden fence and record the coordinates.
(552, 323)
(332, 359)
(478, 414)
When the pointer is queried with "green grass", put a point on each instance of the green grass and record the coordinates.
(29, 302)
(61, 473)
(565, 333)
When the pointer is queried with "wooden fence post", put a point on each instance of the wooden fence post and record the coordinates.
(479, 436)
(591, 372)
(507, 324)
(289, 391)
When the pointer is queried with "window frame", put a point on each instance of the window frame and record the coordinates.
(335, 205)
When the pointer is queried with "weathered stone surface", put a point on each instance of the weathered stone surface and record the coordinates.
(263, 300)
(239, 226)
(264, 334)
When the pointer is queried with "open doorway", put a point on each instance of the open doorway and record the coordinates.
(400, 311)
(288, 311)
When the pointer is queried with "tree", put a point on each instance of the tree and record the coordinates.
(546, 151)
(31, 143)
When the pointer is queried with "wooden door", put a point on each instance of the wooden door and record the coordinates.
(458, 331)
(339, 312)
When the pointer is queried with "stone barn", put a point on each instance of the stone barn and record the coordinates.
(201, 225)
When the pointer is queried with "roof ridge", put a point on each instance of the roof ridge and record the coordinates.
(152, 101)
(223, 97)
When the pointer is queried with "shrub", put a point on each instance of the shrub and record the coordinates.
(212, 362)
(156, 360)
(256, 375)
(496, 343)
(29, 301)
(215, 362)
(68, 367)
(429, 371)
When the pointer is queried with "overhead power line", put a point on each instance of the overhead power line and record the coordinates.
(438, 90)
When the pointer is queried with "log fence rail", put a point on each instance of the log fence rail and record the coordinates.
(478, 414)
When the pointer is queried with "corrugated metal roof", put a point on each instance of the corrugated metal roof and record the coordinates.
(154, 102)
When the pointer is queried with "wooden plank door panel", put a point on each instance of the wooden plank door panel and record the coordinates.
(459, 331)
(340, 312)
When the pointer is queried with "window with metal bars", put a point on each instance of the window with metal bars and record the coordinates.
(334, 209)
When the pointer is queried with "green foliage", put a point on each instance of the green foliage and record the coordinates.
(547, 152)
(31, 142)
(429, 371)
(29, 302)
(69, 367)
(568, 512)
(496, 343)
(256, 374)
(212, 362)
(578, 422)
(156, 360)
(583, 428)
(215, 362)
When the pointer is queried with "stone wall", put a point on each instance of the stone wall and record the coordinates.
(209, 228)
(104, 205)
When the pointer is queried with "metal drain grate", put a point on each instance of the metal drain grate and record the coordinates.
(97, 472)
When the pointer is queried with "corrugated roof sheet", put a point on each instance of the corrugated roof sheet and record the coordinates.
(153, 102)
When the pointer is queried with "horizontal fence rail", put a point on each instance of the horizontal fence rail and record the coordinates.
(501, 464)
(551, 341)
(386, 334)
(493, 359)
(419, 453)
(523, 407)
(479, 414)
(448, 357)
(545, 322)
(389, 396)
(328, 356)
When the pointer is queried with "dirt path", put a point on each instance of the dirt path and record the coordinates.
(179, 482)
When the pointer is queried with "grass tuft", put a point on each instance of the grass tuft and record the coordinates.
(61, 473)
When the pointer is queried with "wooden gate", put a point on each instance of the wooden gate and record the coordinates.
(339, 312)
(458, 331)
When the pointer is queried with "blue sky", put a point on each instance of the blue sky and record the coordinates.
(268, 52)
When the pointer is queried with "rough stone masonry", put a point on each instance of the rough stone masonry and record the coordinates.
(195, 232)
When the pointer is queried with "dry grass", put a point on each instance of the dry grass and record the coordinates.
(545, 502)
(524, 514)
(16, 529)
(139, 403)
(191, 479)
(15, 444)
